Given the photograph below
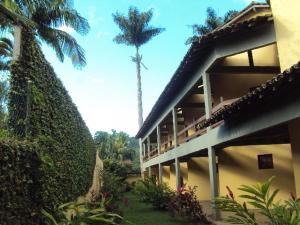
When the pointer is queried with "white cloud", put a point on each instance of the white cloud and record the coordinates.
(66, 29)
(101, 34)
(93, 18)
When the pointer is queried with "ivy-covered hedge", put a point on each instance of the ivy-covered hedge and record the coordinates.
(19, 183)
(41, 111)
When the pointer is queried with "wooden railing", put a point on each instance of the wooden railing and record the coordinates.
(165, 146)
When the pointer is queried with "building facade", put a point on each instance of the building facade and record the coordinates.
(230, 115)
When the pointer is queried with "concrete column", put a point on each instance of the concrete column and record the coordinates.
(17, 42)
(174, 113)
(160, 173)
(207, 95)
(144, 149)
(177, 170)
(294, 133)
(158, 139)
(213, 179)
(148, 145)
(141, 156)
(149, 171)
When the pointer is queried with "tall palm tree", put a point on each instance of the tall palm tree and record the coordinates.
(212, 22)
(46, 17)
(136, 31)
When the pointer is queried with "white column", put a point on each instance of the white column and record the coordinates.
(207, 95)
(141, 157)
(17, 42)
(174, 113)
(158, 139)
(213, 179)
(144, 149)
(177, 170)
(160, 173)
(148, 145)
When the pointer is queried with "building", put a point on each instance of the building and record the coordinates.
(230, 115)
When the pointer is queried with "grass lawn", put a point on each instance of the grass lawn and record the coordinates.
(142, 214)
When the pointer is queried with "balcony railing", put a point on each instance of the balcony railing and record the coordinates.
(190, 132)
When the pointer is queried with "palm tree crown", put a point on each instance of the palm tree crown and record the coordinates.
(135, 28)
(46, 18)
(212, 22)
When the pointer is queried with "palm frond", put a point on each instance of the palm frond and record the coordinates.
(147, 35)
(56, 17)
(64, 44)
(121, 39)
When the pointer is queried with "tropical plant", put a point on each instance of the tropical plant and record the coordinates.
(136, 31)
(262, 198)
(6, 52)
(185, 204)
(83, 214)
(158, 195)
(212, 22)
(46, 17)
(118, 146)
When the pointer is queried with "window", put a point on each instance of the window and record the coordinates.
(265, 161)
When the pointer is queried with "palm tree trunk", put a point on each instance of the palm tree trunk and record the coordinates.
(139, 88)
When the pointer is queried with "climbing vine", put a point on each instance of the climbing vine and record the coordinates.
(42, 112)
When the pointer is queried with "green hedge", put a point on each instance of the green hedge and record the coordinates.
(19, 183)
(43, 112)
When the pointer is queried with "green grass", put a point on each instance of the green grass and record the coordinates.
(138, 213)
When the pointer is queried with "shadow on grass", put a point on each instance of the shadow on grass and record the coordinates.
(138, 213)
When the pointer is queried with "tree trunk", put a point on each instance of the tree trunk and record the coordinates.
(139, 88)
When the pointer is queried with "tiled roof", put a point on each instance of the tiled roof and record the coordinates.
(269, 91)
(190, 63)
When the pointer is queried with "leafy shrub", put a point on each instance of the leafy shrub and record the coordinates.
(185, 204)
(20, 187)
(83, 214)
(116, 167)
(113, 185)
(260, 197)
(157, 195)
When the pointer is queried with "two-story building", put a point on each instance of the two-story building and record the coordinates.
(230, 115)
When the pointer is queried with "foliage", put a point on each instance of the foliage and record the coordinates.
(159, 195)
(6, 52)
(46, 19)
(20, 187)
(185, 204)
(118, 146)
(84, 214)
(44, 113)
(135, 28)
(262, 198)
(212, 22)
(113, 185)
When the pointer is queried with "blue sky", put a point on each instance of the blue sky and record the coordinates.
(105, 90)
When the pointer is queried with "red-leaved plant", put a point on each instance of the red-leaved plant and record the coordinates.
(185, 204)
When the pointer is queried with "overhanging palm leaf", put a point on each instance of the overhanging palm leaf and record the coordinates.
(6, 51)
(63, 44)
(46, 17)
